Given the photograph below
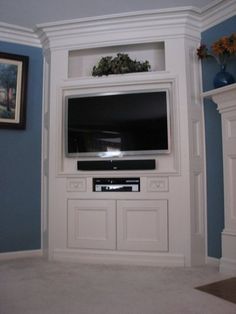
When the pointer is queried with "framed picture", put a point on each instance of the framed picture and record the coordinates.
(13, 86)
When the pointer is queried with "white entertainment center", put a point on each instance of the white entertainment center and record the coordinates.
(163, 223)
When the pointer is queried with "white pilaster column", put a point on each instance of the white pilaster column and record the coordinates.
(225, 98)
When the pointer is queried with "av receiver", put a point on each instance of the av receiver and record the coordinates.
(116, 184)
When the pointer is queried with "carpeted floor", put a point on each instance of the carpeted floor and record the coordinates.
(36, 286)
(225, 289)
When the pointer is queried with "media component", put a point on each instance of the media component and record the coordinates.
(118, 124)
(116, 184)
(139, 164)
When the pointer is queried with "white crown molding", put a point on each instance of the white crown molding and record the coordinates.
(19, 35)
(121, 28)
(124, 27)
(217, 12)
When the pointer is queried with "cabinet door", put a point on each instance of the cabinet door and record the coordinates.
(142, 225)
(92, 224)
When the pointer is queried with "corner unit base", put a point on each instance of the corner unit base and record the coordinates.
(120, 258)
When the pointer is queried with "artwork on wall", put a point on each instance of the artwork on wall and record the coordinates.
(13, 86)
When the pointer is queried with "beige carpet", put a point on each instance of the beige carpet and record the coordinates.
(225, 289)
(35, 286)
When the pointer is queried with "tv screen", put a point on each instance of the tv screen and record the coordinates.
(117, 124)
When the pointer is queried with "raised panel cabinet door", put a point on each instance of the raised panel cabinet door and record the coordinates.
(92, 224)
(142, 225)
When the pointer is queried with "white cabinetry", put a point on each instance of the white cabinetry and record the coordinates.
(142, 225)
(92, 224)
(126, 227)
(133, 225)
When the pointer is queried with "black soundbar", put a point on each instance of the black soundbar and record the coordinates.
(141, 164)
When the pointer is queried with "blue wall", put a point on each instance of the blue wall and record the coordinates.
(215, 197)
(20, 160)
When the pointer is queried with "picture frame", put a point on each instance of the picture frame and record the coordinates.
(13, 89)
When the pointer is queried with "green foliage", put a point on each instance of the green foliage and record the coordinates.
(119, 65)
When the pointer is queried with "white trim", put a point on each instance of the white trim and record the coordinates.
(198, 19)
(117, 29)
(218, 91)
(212, 261)
(217, 12)
(228, 266)
(205, 168)
(116, 17)
(20, 254)
(148, 24)
(120, 258)
(19, 35)
(42, 208)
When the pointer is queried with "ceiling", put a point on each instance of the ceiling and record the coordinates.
(28, 13)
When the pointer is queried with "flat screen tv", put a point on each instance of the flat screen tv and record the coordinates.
(110, 125)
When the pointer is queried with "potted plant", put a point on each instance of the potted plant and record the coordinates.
(221, 50)
(120, 64)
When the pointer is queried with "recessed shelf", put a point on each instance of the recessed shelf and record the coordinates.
(81, 62)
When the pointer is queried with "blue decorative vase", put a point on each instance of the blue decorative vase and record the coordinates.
(223, 77)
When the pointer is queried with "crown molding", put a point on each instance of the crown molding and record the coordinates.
(18, 35)
(125, 27)
(217, 12)
(121, 28)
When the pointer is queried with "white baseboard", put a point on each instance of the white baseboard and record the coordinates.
(212, 261)
(228, 266)
(119, 258)
(20, 254)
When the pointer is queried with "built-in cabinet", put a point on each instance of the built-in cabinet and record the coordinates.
(92, 224)
(142, 225)
(128, 225)
(163, 223)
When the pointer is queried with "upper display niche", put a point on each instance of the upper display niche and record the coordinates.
(81, 62)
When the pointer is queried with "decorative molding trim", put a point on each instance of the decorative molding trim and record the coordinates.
(217, 12)
(121, 258)
(20, 254)
(18, 35)
(188, 19)
(164, 80)
(218, 91)
(224, 97)
(115, 29)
